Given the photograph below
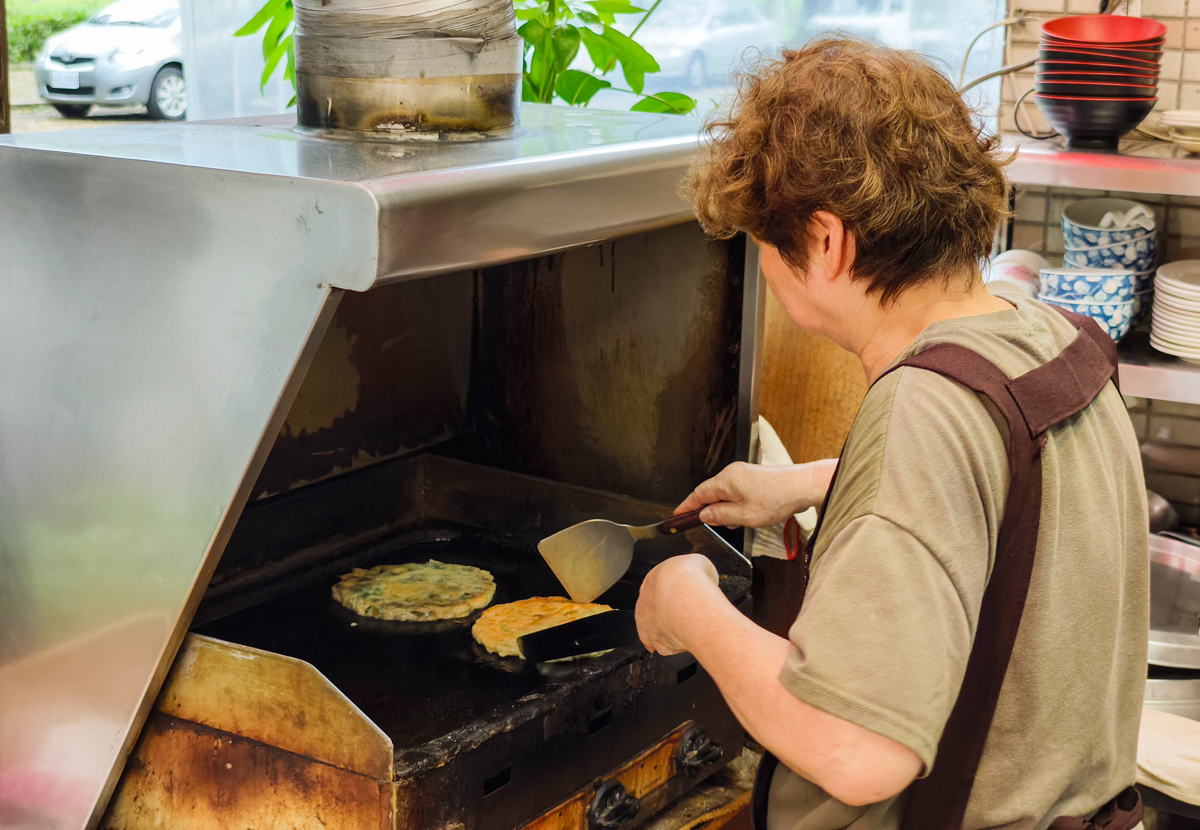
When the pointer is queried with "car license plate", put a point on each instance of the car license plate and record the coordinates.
(64, 80)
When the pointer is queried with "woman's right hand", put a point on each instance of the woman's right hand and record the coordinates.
(751, 495)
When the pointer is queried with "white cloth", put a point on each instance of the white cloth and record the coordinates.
(1169, 755)
(766, 448)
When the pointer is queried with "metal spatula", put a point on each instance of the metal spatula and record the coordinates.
(591, 557)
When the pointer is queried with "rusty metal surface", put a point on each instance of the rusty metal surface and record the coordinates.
(621, 367)
(184, 774)
(273, 699)
(614, 367)
(390, 377)
(400, 105)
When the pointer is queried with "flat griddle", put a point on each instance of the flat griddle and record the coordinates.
(429, 686)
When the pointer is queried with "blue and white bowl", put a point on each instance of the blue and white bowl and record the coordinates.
(1115, 318)
(1138, 253)
(1143, 281)
(1143, 302)
(1081, 223)
(1098, 285)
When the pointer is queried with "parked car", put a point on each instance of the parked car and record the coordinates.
(130, 53)
(702, 41)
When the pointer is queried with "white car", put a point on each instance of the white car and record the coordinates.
(702, 41)
(129, 53)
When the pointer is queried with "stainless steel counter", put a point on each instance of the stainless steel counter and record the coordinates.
(566, 177)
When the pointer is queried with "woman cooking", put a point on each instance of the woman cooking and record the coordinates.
(971, 648)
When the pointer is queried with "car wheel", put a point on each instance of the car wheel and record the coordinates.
(168, 95)
(697, 71)
(73, 110)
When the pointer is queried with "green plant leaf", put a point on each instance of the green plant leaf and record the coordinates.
(540, 72)
(528, 91)
(577, 88)
(273, 61)
(267, 12)
(283, 19)
(598, 49)
(534, 32)
(289, 73)
(615, 7)
(566, 45)
(675, 103)
(636, 78)
(629, 52)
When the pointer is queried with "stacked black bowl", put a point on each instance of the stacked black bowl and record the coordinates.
(1097, 76)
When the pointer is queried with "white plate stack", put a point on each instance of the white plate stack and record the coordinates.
(1175, 329)
(1183, 128)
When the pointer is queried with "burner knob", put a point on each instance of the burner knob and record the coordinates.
(612, 806)
(696, 751)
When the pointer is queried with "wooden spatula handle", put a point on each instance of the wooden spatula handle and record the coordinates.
(679, 524)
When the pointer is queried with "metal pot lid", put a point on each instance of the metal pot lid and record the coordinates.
(1172, 650)
(1174, 603)
(1173, 690)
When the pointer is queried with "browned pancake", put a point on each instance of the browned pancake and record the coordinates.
(498, 628)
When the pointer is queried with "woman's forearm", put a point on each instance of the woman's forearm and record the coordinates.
(851, 763)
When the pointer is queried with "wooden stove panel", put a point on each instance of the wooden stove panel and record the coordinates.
(651, 777)
(184, 774)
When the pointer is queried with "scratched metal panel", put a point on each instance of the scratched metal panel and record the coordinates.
(149, 333)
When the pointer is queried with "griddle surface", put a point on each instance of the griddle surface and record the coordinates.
(429, 686)
(416, 681)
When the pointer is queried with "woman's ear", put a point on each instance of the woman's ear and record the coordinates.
(831, 246)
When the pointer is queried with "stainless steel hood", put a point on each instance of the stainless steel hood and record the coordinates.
(164, 288)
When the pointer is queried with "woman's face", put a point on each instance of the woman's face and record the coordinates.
(801, 296)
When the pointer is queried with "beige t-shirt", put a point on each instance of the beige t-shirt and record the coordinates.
(899, 573)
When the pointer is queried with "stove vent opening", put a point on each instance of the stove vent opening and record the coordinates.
(686, 673)
(497, 781)
(600, 721)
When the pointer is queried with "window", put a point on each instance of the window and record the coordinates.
(700, 43)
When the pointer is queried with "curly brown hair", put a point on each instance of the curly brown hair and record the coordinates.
(875, 136)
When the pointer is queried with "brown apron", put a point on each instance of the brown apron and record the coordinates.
(1030, 404)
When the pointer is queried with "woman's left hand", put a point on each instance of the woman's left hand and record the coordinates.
(668, 598)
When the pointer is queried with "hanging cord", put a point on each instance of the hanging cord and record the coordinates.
(1017, 121)
(1016, 20)
(1001, 71)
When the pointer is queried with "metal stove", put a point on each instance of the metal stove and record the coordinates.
(238, 361)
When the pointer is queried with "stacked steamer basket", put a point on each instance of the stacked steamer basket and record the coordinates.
(1097, 76)
(1176, 326)
(1116, 234)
